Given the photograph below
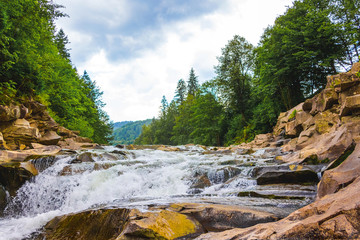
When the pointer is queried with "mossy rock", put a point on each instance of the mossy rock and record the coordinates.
(88, 225)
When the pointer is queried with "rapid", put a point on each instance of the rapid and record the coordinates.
(141, 178)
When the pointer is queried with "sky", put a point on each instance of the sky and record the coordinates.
(137, 50)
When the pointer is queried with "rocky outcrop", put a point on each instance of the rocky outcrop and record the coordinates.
(93, 224)
(22, 125)
(214, 217)
(177, 221)
(335, 216)
(14, 175)
(322, 128)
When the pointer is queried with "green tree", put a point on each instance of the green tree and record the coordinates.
(180, 91)
(61, 41)
(206, 120)
(193, 84)
(234, 74)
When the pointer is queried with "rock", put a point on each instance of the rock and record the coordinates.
(3, 145)
(121, 146)
(324, 100)
(7, 156)
(19, 132)
(202, 182)
(335, 216)
(337, 178)
(214, 217)
(160, 225)
(14, 175)
(168, 149)
(3, 199)
(224, 174)
(307, 106)
(85, 157)
(50, 138)
(9, 113)
(66, 133)
(87, 225)
(351, 106)
(268, 196)
(292, 177)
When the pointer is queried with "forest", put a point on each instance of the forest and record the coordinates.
(253, 84)
(35, 65)
(127, 131)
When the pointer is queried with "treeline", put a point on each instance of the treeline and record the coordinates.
(312, 39)
(35, 64)
(126, 132)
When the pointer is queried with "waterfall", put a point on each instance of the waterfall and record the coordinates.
(141, 178)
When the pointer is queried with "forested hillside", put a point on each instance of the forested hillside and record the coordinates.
(126, 132)
(311, 40)
(35, 64)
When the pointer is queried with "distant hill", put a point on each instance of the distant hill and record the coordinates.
(120, 124)
(127, 131)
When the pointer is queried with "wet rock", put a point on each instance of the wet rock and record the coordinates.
(41, 163)
(335, 216)
(224, 174)
(201, 181)
(337, 178)
(292, 177)
(3, 199)
(14, 175)
(121, 146)
(50, 138)
(268, 196)
(168, 149)
(87, 225)
(160, 225)
(85, 157)
(214, 217)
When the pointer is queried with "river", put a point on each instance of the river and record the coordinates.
(140, 179)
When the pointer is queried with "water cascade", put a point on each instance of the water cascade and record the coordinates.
(140, 178)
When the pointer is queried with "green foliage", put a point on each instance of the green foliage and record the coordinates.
(7, 92)
(127, 133)
(34, 63)
(193, 84)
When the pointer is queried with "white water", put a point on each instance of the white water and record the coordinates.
(146, 177)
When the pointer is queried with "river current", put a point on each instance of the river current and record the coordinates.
(140, 179)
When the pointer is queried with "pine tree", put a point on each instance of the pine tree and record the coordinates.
(193, 84)
(180, 91)
(61, 40)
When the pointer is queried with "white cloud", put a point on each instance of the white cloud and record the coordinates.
(133, 89)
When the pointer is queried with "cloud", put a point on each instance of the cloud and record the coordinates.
(139, 56)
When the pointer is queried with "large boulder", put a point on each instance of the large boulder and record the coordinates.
(50, 138)
(9, 113)
(301, 176)
(8, 156)
(19, 132)
(87, 225)
(214, 217)
(162, 224)
(335, 179)
(335, 216)
(14, 175)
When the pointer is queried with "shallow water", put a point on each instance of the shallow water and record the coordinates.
(146, 177)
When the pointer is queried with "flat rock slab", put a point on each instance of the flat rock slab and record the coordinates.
(7, 156)
(214, 217)
(335, 216)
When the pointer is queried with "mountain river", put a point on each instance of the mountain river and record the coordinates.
(140, 179)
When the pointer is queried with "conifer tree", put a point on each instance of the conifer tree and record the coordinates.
(193, 84)
(180, 91)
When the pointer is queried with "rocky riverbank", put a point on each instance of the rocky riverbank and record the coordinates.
(317, 138)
